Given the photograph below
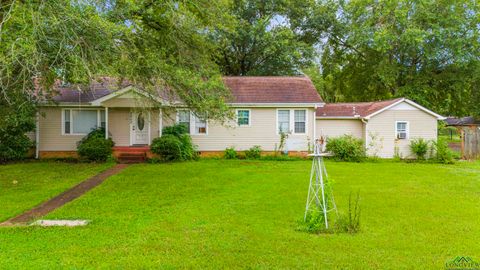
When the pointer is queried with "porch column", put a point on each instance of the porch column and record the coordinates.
(160, 122)
(37, 134)
(106, 122)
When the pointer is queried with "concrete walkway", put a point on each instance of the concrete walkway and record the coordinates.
(63, 198)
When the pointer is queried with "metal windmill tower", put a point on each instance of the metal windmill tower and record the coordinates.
(320, 195)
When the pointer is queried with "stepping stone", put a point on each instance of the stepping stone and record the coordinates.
(60, 222)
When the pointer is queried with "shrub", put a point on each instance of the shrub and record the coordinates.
(168, 147)
(174, 137)
(346, 148)
(189, 151)
(419, 147)
(230, 153)
(253, 152)
(443, 154)
(175, 130)
(94, 146)
(14, 147)
(315, 222)
(14, 144)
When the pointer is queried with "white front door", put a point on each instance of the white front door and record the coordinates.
(140, 128)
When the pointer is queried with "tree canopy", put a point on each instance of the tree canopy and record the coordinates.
(427, 51)
(261, 41)
(150, 43)
(363, 50)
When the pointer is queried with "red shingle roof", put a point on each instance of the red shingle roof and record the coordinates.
(272, 90)
(358, 109)
(244, 90)
(83, 94)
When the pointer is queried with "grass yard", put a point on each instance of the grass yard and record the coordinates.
(243, 214)
(25, 185)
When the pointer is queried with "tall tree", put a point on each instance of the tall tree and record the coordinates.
(153, 44)
(425, 50)
(260, 40)
(150, 43)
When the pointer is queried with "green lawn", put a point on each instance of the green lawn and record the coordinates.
(243, 214)
(25, 185)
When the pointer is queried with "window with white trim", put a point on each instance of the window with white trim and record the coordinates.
(401, 130)
(82, 121)
(292, 120)
(243, 118)
(183, 118)
(195, 124)
(103, 123)
(283, 121)
(200, 125)
(300, 118)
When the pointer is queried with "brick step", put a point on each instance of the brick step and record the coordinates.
(132, 154)
(132, 157)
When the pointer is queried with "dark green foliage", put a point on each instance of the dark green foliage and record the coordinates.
(175, 144)
(230, 153)
(258, 43)
(346, 148)
(254, 152)
(176, 130)
(13, 146)
(16, 119)
(94, 146)
(187, 148)
(168, 147)
(443, 154)
(419, 147)
(424, 50)
(349, 223)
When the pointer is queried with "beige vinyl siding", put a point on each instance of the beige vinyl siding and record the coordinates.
(421, 125)
(119, 125)
(262, 131)
(339, 127)
(128, 100)
(51, 138)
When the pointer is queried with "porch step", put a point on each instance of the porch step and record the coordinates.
(132, 157)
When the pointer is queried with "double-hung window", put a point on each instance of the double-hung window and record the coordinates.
(243, 118)
(294, 121)
(82, 121)
(401, 130)
(283, 121)
(195, 124)
(300, 121)
(200, 125)
(183, 118)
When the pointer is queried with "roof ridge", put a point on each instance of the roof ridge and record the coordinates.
(270, 76)
(363, 102)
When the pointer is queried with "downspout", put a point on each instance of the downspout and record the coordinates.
(37, 134)
(315, 123)
(365, 122)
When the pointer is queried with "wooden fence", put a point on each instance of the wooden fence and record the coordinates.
(470, 142)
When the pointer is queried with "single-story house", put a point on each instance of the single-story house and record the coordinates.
(264, 108)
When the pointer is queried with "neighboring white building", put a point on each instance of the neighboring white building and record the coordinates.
(263, 106)
(387, 127)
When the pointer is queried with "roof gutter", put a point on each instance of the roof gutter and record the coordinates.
(356, 117)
